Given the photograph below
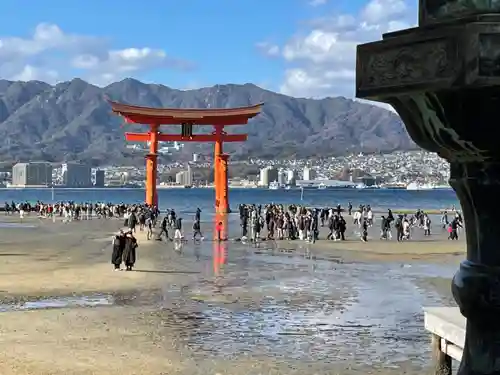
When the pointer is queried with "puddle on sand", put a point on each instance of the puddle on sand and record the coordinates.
(16, 225)
(373, 310)
(59, 303)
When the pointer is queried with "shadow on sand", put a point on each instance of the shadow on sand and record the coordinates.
(168, 272)
(12, 255)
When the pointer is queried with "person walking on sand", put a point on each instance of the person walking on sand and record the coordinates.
(369, 216)
(399, 228)
(132, 222)
(218, 230)
(257, 226)
(149, 227)
(384, 228)
(406, 229)
(427, 225)
(342, 226)
(197, 229)
(364, 230)
(164, 228)
(178, 229)
(129, 251)
(453, 229)
(356, 219)
(118, 246)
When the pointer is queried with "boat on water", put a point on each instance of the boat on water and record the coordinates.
(394, 186)
(416, 186)
(369, 187)
(274, 185)
(443, 187)
(321, 186)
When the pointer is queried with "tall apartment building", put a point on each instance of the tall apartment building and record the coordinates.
(184, 178)
(76, 175)
(291, 177)
(100, 177)
(309, 174)
(32, 174)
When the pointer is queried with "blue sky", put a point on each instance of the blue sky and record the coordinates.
(205, 42)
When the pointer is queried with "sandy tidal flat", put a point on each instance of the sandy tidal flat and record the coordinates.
(138, 337)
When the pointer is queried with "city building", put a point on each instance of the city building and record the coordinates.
(189, 176)
(100, 177)
(309, 174)
(281, 177)
(179, 178)
(32, 174)
(291, 178)
(76, 175)
(124, 177)
(195, 158)
(268, 175)
(184, 178)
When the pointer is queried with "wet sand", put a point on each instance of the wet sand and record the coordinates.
(63, 258)
(435, 247)
(153, 318)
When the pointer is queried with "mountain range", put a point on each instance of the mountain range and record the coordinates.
(72, 121)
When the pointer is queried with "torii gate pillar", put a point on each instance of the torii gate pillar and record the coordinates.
(221, 184)
(151, 167)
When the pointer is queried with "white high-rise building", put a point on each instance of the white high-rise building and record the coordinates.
(184, 178)
(291, 177)
(189, 176)
(264, 177)
(309, 174)
(195, 158)
(179, 178)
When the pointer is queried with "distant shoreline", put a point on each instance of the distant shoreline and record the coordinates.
(164, 187)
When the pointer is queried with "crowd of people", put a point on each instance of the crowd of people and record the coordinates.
(135, 216)
(297, 222)
(71, 210)
(257, 222)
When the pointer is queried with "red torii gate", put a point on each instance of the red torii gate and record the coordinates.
(217, 117)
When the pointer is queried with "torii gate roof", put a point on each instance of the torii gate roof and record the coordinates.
(168, 116)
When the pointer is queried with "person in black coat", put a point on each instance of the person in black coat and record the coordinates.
(129, 252)
(364, 230)
(132, 222)
(118, 246)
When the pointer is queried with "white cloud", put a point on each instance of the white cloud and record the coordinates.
(52, 55)
(269, 49)
(316, 3)
(321, 59)
(30, 73)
